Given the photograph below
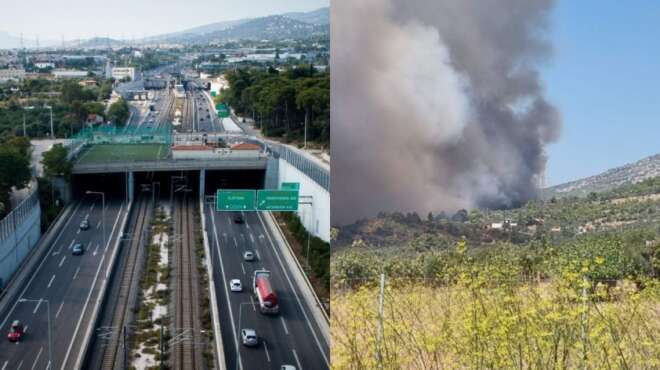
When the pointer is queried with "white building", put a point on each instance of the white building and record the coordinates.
(12, 74)
(69, 73)
(43, 65)
(119, 73)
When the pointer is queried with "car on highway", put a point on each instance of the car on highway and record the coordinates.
(235, 285)
(248, 256)
(77, 249)
(15, 331)
(249, 337)
(84, 224)
(287, 367)
(238, 219)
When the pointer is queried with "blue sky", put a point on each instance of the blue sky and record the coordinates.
(605, 80)
(71, 19)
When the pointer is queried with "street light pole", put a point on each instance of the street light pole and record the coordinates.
(50, 335)
(105, 242)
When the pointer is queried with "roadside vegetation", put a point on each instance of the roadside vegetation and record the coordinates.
(281, 102)
(14, 169)
(561, 284)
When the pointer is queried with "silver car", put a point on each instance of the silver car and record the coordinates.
(248, 256)
(249, 337)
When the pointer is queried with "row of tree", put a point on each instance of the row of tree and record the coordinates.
(283, 103)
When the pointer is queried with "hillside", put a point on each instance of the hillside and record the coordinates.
(627, 174)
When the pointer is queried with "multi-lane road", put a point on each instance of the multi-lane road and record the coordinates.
(64, 287)
(291, 337)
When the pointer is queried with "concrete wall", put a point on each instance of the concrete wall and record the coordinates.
(315, 217)
(19, 233)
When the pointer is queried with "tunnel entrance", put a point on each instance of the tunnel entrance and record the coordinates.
(166, 183)
(114, 185)
(233, 179)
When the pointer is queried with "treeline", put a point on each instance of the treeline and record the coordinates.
(70, 102)
(14, 169)
(281, 102)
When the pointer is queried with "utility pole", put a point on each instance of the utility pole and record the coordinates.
(379, 340)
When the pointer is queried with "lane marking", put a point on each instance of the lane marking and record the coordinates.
(251, 238)
(76, 274)
(59, 309)
(36, 360)
(96, 250)
(51, 281)
(253, 304)
(295, 293)
(266, 349)
(258, 256)
(235, 242)
(224, 278)
(286, 330)
(4, 366)
(20, 364)
(98, 226)
(37, 307)
(78, 232)
(243, 268)
(25, 329)
(295, 355)
(62, 261)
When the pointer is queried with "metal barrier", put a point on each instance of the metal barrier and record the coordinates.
(305, 165)
(18, 215)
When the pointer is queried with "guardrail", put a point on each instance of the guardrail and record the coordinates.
(16, 217)
(320, 175)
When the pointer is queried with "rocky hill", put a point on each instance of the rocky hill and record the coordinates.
(628, 174)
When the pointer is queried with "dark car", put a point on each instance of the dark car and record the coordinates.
(238, 219)
(77, 249)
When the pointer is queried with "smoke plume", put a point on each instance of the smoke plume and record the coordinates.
(437, 104)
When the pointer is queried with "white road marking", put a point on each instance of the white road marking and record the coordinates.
(4, 366)
(235, 242)
(258, 256)
(36, 360)
(96, 250)
(243, 268)
(91, 208)
(224, 277)
(37, 307)
(62, 261)
(286, 330)
(98, 226)
(251, 238)
(253, 304)
(25, 329)
(266, 349)
(20, 364)
(78, 232)
(51, 281)
(59, 309)
(295, 355)
(76, 274)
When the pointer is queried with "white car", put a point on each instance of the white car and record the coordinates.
(249, 337)
(235, 285)
(248, 256)
(287, 367)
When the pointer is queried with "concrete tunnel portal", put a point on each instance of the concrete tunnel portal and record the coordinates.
(118, 185)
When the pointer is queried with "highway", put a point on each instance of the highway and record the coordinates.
(64, 286)
(290, 337)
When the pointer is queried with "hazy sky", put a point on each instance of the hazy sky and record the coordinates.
(605, 79)
(52, 19)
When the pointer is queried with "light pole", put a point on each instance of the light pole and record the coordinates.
(309, 233)
(102, 194)
(29, 107)
(181, 177)
(52, 133)
(50, 335)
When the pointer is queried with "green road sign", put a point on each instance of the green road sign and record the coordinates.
(235, 200)
(290, 186)
(223, 114)
(213, 93)
(277, 200)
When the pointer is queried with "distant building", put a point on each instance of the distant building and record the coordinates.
(119, 73)
(88, 83)
(12, 74)
(44, 65)
(69, 73)
(93, 119)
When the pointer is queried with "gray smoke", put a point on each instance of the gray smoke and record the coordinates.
(437, 104)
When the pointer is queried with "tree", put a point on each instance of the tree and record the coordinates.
(14, 172)
(118, 112)
(56, 163)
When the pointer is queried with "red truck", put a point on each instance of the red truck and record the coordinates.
(268, 303)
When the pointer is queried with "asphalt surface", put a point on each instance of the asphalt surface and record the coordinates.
(69, 283)
(290, 337)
